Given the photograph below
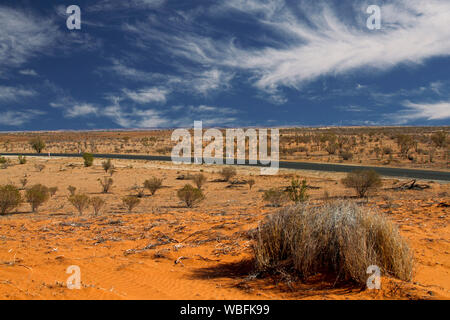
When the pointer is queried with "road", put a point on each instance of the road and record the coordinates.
(384, 171)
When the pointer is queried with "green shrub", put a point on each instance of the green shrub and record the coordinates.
(37, 144)
(80, 202)
(190, 195)
(298, 191)
(10, 198)
(338, 238)
(153, 185)
(36, 196)
(88, 159)
(362, 181)
(22, 160)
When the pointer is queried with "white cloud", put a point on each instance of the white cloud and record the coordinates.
(28, 72)
(9, 94)
(23, 35)
(425, 111)
(315, 43)
(81, 110)
(18, 118)
(147, 95)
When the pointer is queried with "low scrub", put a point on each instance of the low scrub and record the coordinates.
(153, 185)
(199, 180)
(80, 202)
(338, 238)
(106, 184)
(227, 173)
(98, 204)
(88, 159)
(275, 197)
(190, 195)
(130, 202)
(362, 181)
(10, 198)
(297, 191)
(36, 196)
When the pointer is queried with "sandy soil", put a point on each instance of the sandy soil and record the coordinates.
(165, 251)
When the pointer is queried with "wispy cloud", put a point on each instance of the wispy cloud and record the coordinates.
(18, 118)
(422, 111)
(147, 95)
(28, 72)
(10, 94)
(81, 110)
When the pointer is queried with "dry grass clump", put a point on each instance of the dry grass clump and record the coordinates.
(338, 238)
(98, 204)
(199, 180)
(106, 184)
(275, 197)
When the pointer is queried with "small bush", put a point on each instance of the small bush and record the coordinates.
(346, 155)
(439, 139)
(72, 190)
(88, 159)
(140, 190)
(251, 183)
(227, 173)
(106, 184)
(37, 144)
(362, 181)
(107, 165)
(153, 185)
(22, 160)
(130, 202)
(199, 180)
(338, 238)
(275, 197)
(52, 191)
(10, 198)
(190, 195)
(80, 202)
(36, 196)
(298, 191)
(98, 204)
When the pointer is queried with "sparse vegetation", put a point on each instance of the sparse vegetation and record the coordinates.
(10, 198)
(36, 196)
(227, 173)
(275, 197)
(39, 167)
(106, 184)
(98, 204)
(37, 144)
(80, 202)
(23, 182)
(88, 159)
(297, 191)
(439, 139)
(251, 183)
(52, 190)
(153, 185)
(338, 238)
(190, 195)
(107, 165)
(362, 181)
(72, 190)
(22, 159)
(199, 180)
(130, 202)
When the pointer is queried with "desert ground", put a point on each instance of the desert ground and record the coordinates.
(163, 250)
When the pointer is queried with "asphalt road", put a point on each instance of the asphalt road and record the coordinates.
(384, 171)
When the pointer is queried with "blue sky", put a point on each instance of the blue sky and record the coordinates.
(164, 63)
